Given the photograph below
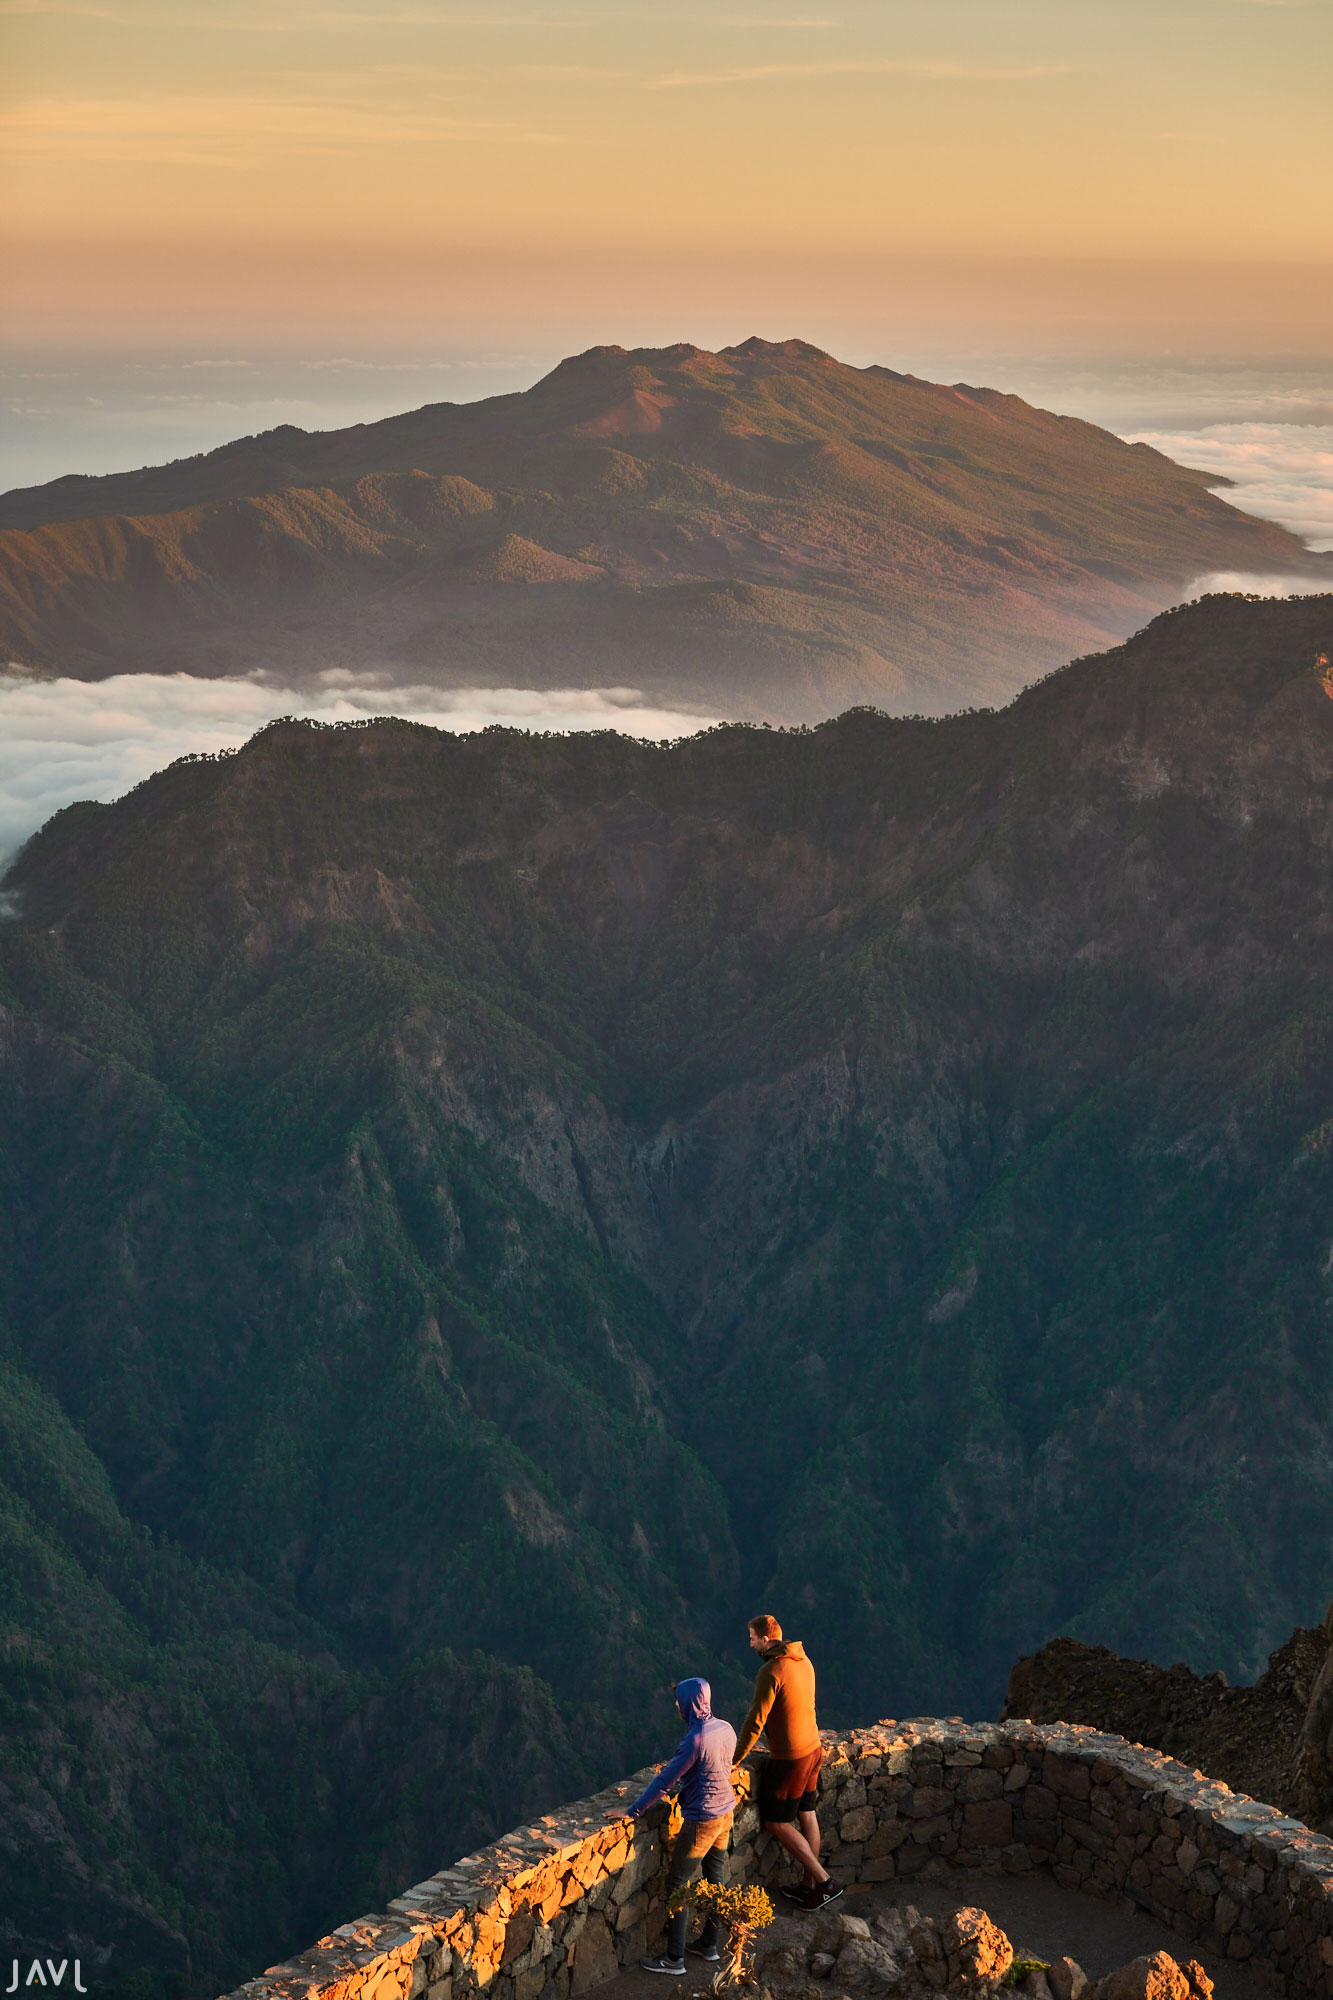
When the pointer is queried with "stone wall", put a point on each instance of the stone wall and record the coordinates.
(555, 1908)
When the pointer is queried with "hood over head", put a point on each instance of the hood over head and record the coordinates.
(694, 1698)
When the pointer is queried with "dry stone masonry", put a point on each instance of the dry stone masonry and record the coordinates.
(555, 1909)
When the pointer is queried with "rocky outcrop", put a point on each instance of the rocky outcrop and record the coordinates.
(1156, 1976)
(895, 1951)
(1271, 1738)
(901, 1953)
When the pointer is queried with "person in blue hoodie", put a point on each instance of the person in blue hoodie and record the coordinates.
(701, 1772)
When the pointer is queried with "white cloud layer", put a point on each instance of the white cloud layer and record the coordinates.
(62, 740)
(1256, 586)
(1283, 472)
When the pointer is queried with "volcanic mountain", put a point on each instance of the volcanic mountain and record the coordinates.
(760, 532)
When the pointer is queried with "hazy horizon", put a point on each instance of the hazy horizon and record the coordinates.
(306, 172)
(217, 219)
(301, 209)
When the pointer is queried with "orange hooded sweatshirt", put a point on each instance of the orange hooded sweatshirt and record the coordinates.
(784, 1704)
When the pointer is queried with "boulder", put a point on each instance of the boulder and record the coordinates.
(1151, 1978)
(925, 1942)
(893, 1928)
(928, 1951)
(822, 1963)
(863, 1965)
(1067, 1979)
(832, 1933)
(975, 1949)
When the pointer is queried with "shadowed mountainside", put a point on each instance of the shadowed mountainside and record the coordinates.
(555, 1196)
(763, 532)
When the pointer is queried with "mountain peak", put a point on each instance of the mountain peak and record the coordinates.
(756, 348)
(610, 364)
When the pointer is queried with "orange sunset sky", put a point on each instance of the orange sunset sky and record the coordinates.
(269, 171)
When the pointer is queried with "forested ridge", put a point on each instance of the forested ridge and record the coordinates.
(482, 1215)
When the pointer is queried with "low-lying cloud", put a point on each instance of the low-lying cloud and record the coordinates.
(1256, 586)
(1283, 472)
(62, 740)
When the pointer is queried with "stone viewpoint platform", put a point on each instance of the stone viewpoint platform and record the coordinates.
(554, 1909)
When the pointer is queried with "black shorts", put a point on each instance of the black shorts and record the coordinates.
(788, 1786)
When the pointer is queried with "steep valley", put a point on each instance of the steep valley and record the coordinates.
(484, 1214)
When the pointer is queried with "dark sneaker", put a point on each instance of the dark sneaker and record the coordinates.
(708, 1952)
(822, 1894)
(674, 1968)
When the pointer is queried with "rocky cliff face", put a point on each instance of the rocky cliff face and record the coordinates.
(1250, 1736)
(554, 1196)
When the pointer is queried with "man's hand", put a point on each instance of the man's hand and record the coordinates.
(617, 1812)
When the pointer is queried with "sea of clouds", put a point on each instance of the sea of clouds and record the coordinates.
(1283, 472)
(62, 740)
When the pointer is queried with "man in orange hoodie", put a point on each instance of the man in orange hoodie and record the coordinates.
(783, 1709)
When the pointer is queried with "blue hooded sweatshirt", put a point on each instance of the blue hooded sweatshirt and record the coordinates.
(701, 1767)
